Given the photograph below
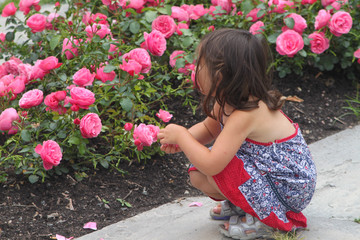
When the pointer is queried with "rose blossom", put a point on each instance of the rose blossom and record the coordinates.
(256, 28)
(289, 43)
(308, 1)
(31, 98)
(50, 153)
(181, 26)
(36, 22)
(340, 23)
(69, 47)
(128, 126)
(25, 5)
(131, 66)
(280, 5)
(52, 101)
(253, 15)
(299, 22)
(145, 135)
(49, 63)
(336, 4)
(99, 29)
(90, 125)
(165, 116)
(103, 76)
(319, 43)
(164, 24)
(179, 14)
(9, 10)
(322, 19)
(155, 42)
(2, 37)
(357, 55)
(7, 117)
(141, 56)
(17, 86)
(81, 97)
(83, 77)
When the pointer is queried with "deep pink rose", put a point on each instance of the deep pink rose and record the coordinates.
(336, 4)
(135, 4)
(2, 37)
(164, 24)
(83, 77)
(357, 55)
(36, 71)
(181, 26)
(299, 22)
(179, 14)
(36, 22)
(128, 126)
(141, 56)
(103, 76)
(52, 101)
(225, 5)
(318, 42)
(9, 10)
(308, 1)
(155, 42)
(81, 97)
(146, 134)
(289, 43)
(256, 28)
(50, 153)
(340, 23)
(31, 98)
(17, 86)
(69, 47)
(90, 125)
(253, 15)
(280, 5)
(322, 19)
(25, 5)
(165, 116)
(97, 29)
(174, 56)
(7, 117)
(131, 66)
(49, 63)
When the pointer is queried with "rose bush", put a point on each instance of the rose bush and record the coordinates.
(90, 77)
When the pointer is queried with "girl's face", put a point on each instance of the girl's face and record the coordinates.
(203, 78)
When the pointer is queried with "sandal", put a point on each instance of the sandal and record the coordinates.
(227, 210)
(251, 229)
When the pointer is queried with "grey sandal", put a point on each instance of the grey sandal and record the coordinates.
(227, 210)
(251, 229)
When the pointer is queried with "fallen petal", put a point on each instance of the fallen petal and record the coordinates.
(59, 237)
(195, 204)
(90, 225)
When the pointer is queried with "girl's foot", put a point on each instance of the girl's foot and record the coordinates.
(224, 210)
(245, 228)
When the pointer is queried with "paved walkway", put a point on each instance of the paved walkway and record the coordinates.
(331, 214)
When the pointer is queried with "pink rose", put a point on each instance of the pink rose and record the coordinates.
(31, 98)
(135, 4)
(7, 117)
(181, 26)
(318, 42)
(197, 11)
(256, 28)
(141, 56)
(52, 17)
(9, 10)
(99, 29)
(90, 125)
(174, 56)
(145, 135)
(81, 97)
(289, 43)
(53, 102)
(131, 66)
(299, 22)
(2, 37)
(83, 77)
(49, 63)
(50, 153)
(357, 55)
(253, 15)
(308, 1)
(340, 23)
(280, 5)
(36, 22)
(11, 66)
(128, 126)
(155, 42)
(322, 19)
(17, 86)
(164, 24)
(336, 4)
(179, 14)
(36, 71)
(165, 116)
(69, 47)
(26, 5)
(103, 76)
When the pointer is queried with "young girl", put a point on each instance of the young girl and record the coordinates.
(259, 162)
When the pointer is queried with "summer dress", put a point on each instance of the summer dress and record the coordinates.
(271, 181)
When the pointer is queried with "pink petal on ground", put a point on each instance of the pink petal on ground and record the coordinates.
(59, 237)
(90, 225)
(195, 204)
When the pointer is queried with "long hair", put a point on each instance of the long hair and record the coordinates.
(237, 64)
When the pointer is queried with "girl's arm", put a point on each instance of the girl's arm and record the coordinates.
(211, 162)
(206, 131)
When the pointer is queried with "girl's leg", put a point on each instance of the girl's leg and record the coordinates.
(206, 184)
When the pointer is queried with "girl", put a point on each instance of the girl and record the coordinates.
(259, 162)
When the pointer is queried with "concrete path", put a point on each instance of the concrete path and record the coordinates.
(331, 214)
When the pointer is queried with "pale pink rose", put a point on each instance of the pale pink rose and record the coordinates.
(12, 66)
(318, 42)
(164, 24)
(128, 126)
(36, 22)
(90, 125)
(145, 135)
(141, 56)
(7, 117)
(9, 10)
(97, 29)
(322, 19)
(289, 43)
(253, 15)
(81, 97)
(31, 98)
(69, 47)
(179, 14)
(256, 28)
(165, 116)
(340, 23)
(83, 77)
(50, 153)
(2, 37)
(103, 76)
(155, 42)
(299, 22)
(280, 5)
(131, 66)
(26, 5)
(49, 63)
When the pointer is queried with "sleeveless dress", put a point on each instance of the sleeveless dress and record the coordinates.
(272, 181)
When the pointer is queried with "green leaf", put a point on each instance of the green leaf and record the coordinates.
(126, 104)
(247, 6)
(134, 27)
(74, 140)
(272, 38)
(10, 36)
(54, 41)
(82, 148)
(303, 53)
(187, 42)
(150, 16)
(109, 68)
(33, 178)
(25, 135)
(260, 13)
(104, 163)
(180, 63)
(289, 22)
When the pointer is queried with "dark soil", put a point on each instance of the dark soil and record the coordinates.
(63, 205)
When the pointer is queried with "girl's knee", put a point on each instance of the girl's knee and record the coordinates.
(197, 179)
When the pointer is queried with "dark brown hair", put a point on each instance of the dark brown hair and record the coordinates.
(237, 63)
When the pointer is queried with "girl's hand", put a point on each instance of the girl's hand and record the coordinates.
(169, 134)
(170, 148)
